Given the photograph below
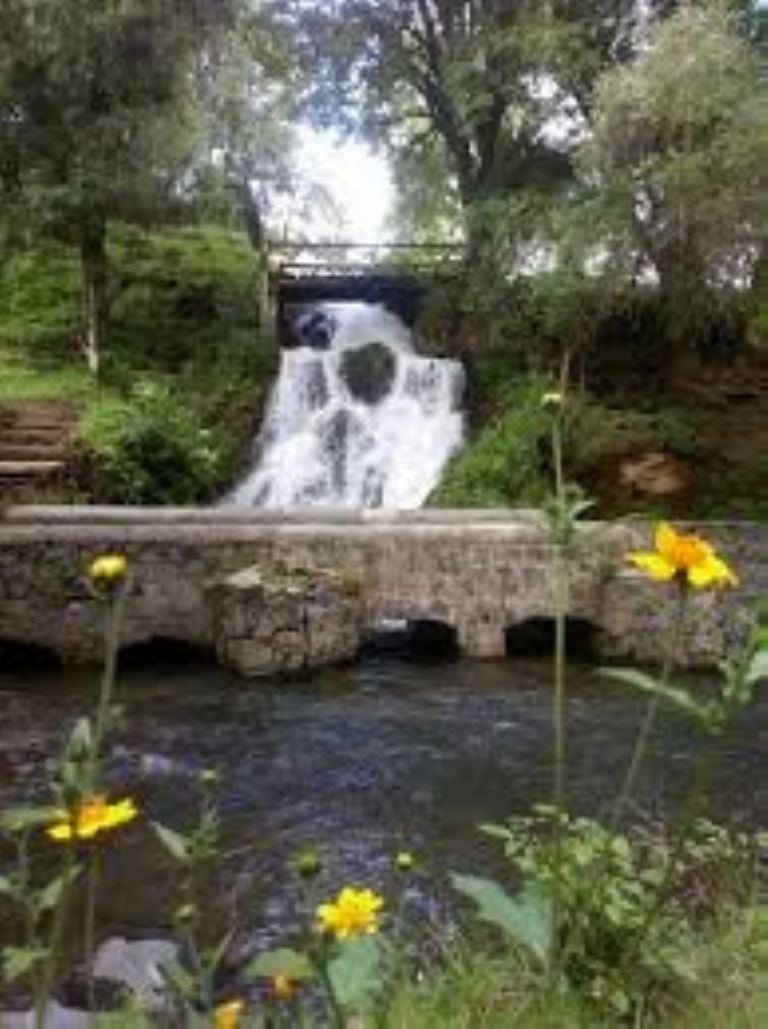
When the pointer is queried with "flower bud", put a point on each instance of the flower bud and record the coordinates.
(185, 914)
(307, 864)
(553, 401)
(107, 572)
(405, 861)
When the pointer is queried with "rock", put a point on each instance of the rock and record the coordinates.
(57, 1017)
(368, 371)
(315, 329)
(270, 621)
(654, 474)
(137, 964)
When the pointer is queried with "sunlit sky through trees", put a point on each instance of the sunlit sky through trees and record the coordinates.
(358, 181)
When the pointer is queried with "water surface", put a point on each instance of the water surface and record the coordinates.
(359, 762)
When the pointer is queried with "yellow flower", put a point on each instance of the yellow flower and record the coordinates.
(229, 1015)
(284, 988)
(93, 816)
(353, 913)
(685, 557)
(107, 571)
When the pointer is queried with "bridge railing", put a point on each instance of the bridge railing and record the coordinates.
(297, 260)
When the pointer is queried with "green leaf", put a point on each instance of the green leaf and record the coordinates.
(527, 919)
(81, 738)
(17, 961)
(50, 896)
(356, 973)
(673, 695)
(19, 818)
(290, 963)
(7, 888)
(498, 832)
(758, 668)
(177, 845)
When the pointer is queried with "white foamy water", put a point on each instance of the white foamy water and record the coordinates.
(372, 429)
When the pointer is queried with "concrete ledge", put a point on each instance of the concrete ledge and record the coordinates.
(479, 572)
(235, 515)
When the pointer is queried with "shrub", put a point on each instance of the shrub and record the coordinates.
(151, 448)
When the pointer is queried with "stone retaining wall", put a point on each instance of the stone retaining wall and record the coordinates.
(480, 572)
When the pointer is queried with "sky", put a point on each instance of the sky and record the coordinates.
(358, 180)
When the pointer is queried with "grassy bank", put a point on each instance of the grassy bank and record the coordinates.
(184, 371)
(692, 449)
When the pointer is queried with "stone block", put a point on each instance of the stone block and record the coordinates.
(269, 620)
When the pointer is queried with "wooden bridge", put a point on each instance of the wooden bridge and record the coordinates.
(397, 275)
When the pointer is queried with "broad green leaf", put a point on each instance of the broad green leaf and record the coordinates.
(6, 886)
(290, 963)
(356, 973)
(673, 695)
(527, 919)
(17, 961)
(174, 842)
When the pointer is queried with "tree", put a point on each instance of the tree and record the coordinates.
(678, 161)
(96, 120)
(471, 83)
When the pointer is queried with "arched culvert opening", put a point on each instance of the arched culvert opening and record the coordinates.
(417, 639)
(535, 637)
(165, 652)
(17, 656)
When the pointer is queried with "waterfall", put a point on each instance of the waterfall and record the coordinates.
(356, 418)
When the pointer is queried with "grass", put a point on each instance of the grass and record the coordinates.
(493, 989)
(20, 380)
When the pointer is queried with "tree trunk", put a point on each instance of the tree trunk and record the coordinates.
(94, 272)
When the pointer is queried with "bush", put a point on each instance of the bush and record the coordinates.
(150, 448)
(504, 464)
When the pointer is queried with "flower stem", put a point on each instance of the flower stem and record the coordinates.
(648, 721)
(106, 692)
(89, 947)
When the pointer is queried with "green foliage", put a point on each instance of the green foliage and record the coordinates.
(504, 464)
(40, 293)
(677, 164)
(152, 448)
(630, 911)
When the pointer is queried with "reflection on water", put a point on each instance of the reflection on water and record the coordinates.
(360, 762)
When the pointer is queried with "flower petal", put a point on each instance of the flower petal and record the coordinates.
(666, 541)
(654, 565)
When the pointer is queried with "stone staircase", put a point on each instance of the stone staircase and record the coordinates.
(34, 443)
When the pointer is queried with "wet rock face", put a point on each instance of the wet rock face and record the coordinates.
(315, 329)
(269, 622)
(368, 372)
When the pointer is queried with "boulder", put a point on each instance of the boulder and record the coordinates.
(368, 371)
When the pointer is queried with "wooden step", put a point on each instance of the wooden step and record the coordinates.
(37, 417)
(31, 451)
(28, 437)
(29, 469)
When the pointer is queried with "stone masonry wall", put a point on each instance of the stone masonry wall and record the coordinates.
(480, 572)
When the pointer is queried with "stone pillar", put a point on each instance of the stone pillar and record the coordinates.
(271, 621)
(482, 639)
